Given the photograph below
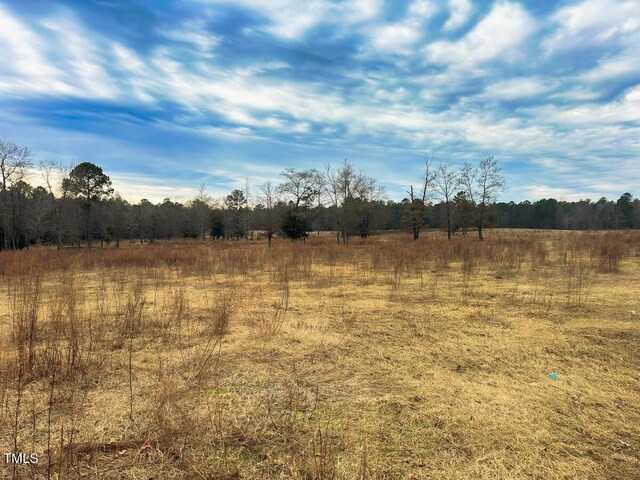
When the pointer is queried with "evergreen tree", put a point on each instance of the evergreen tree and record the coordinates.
(294, 225)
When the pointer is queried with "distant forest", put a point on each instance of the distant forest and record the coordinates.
(78, 206)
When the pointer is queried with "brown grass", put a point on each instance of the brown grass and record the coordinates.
(385, 358)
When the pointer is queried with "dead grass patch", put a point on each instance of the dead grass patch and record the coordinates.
(385, 358)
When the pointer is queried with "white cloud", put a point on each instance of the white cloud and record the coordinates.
(593, 22)
(288, 19)
(633, 95)
(393, 95)
(395, 38)
(79, 68)
(517, 88)
(626, 109)
(538, 192)
(612, 24)
(380, 110)
(24, 68)
(499, 34)
(581, 93)
(398, 37)
(135, 187)
(196, 34)
(556, 166)
(627, 63)
(421, 9)
(356, 11)
(128, 60)
(509, 134)
(83, 61)
(460, 13)
(292, 19)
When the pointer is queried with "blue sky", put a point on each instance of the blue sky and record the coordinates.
(166, 96)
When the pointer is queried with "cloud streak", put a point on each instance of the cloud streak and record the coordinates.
(222, 84)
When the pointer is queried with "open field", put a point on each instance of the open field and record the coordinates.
(382, 359)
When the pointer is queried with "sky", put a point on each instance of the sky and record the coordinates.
(169, 95)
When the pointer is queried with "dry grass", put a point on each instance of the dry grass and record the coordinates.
(383, 359)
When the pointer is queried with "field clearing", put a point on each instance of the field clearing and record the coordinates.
(382, 359)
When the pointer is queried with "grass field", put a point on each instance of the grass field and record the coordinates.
(382, 359)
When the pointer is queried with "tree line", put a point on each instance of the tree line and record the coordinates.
(77, 205)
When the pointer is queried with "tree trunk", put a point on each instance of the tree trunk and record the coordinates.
(5, 224)
(448, 222)
(58, 220)
(89, 239)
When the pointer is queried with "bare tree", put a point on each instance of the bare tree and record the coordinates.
(300, 185)
(490, 183)
(50, 169)
(418, 200)
(247, 195)
(300, 188)
(40, 207)
(468, 197)
(14, 161)
(268, 198)
(339, 187)
(446, 184)
(350, 193)
(320, 188)
(332, 191)
(120, 210)
(202, 209)
(468, 177)
(366, 191)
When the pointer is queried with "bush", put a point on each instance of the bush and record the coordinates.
(295, 226)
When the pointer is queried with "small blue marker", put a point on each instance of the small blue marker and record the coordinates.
(553, 375)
